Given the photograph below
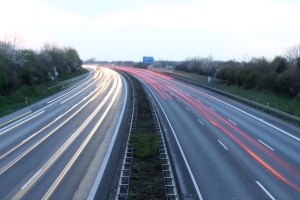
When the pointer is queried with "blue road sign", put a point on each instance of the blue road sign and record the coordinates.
(148, 59)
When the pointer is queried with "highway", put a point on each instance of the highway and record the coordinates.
(223, 149)
(59, 148)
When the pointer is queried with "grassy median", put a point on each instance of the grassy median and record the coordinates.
(146, 179)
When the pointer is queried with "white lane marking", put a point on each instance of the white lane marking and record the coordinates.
(179, 146)
(178, 100)
(80, 91)
(265, 144)
(212, 108)
(44, 138)
(25, 185)
(232, 122)
(74, 105)
(32, 115)
(187, 108)
(200, 122)
(16, 125)
(109, 150)
(222, 144)
(70, 140)
(15, 118)
(71, 91)
(84, 98)
(258, 119)
(33, 135)
(83, 145)
(198, 100)
(265, 190)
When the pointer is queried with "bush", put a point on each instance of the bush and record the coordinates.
(20, 67)
(287, 82)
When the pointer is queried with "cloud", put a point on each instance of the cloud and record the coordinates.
(37, 22)
(217, 27)
(238, 16)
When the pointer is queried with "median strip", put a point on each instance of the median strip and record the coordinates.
(146, 172)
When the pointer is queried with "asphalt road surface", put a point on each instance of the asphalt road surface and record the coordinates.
(59, 148)
(223, 149)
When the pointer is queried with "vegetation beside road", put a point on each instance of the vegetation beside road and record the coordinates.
(19, 67)
(29, 94)
(280, 101)
(146, 179)
(26, 75)
(280, 74)
(272, 82)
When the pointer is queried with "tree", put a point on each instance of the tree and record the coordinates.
(23, 66)
(293, 55)
(183, 66)
(288, 81)
(72, 58)
(280, 64)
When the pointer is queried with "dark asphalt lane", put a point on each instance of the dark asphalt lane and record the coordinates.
(229, 150)
(59, 149)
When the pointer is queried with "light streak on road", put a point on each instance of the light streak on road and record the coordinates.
(275, 162)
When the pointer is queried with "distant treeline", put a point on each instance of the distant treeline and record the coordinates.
(282, 74)
(25, 66)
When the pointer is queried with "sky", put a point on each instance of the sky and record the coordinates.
(173, 30)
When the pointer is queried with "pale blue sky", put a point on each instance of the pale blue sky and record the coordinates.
(164, 29)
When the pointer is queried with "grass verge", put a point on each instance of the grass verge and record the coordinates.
(27, 95)
(284, 103)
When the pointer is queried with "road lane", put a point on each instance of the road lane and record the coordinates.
(227, 144)
(39, 155)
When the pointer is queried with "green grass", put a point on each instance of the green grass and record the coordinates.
(145, 145)
(146, 178)
(17, 99)
(282, 102)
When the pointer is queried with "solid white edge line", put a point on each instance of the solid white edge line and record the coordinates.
(4, 123)
(31, 114)
(258, 119)
(187, 108)
(181, 151)
(265, 144)
(107, 155)
(14, 125)
(222, 144)
(265, 190)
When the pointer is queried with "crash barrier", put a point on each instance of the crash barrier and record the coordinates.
(122, 191)
(169, 179)
(267, 108)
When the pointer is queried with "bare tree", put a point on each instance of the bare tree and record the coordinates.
(293, 55)
(10, 45)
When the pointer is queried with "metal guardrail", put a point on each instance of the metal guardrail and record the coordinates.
(123, 187)
(169, 179)
(69, 82)
(170, 183)
(253, 103)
